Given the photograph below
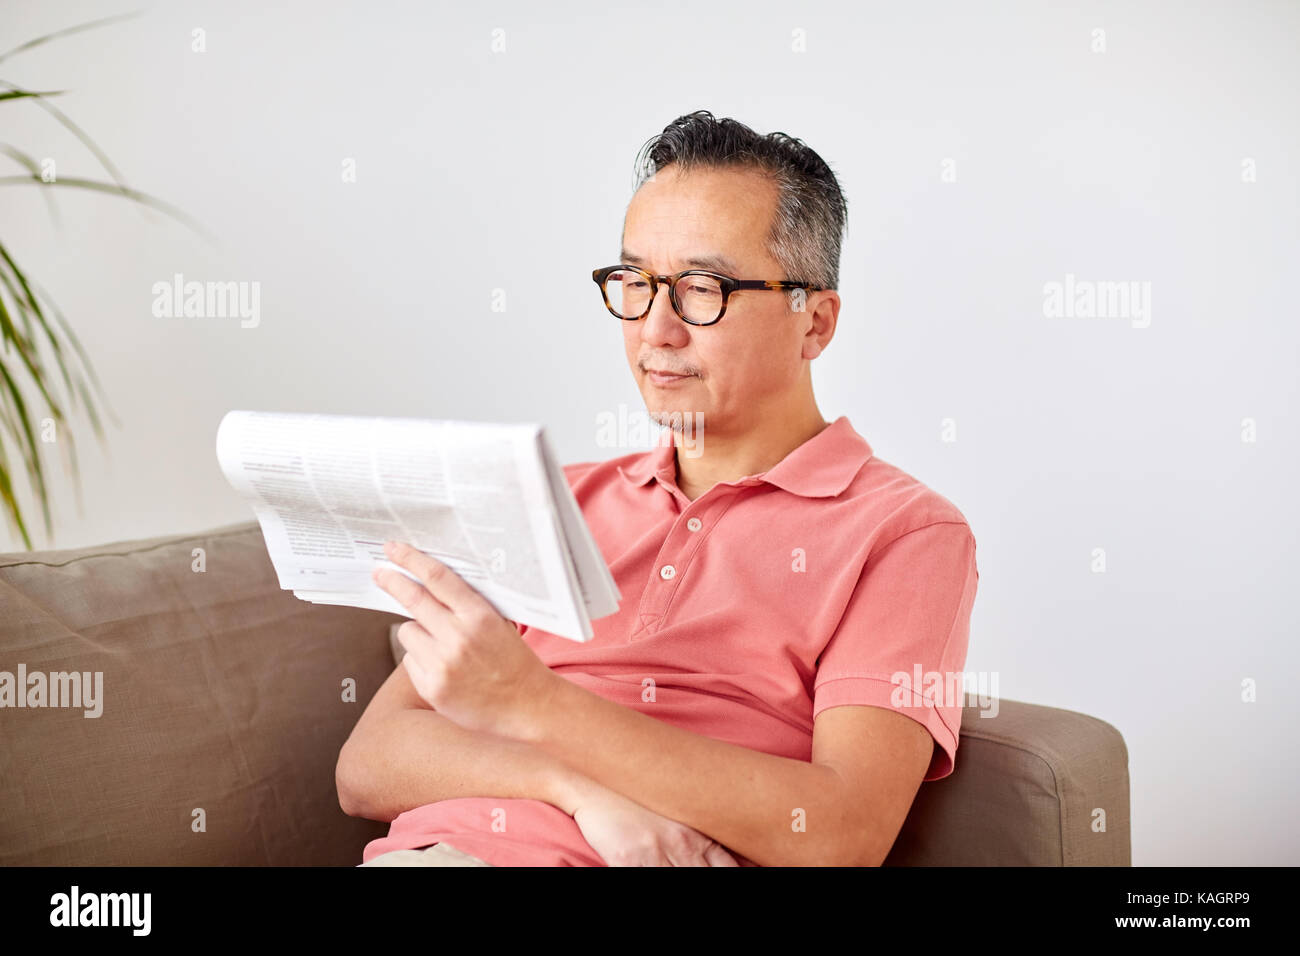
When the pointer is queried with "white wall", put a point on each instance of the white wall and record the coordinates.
(478, 171)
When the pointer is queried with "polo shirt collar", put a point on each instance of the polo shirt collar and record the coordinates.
(821, 467)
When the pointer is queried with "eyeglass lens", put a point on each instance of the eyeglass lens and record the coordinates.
(700, 297)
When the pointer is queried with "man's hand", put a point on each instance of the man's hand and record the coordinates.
(464, 659)
(624, 833)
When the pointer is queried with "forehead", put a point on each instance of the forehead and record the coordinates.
(682, 220)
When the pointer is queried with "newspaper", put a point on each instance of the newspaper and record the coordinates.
(487, 500)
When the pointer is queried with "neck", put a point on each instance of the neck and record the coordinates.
(705, 459)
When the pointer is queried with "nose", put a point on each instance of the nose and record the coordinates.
(661, 325)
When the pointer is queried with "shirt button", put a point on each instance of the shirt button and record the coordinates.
(694, 524)
(667, 571)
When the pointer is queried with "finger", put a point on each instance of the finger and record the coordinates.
(442, 582)
(413, 669)
(717, 855)
(419, 677)
(424, 607)
(421, 648)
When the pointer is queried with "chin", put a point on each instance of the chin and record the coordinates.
(688, 423)
(665, 417)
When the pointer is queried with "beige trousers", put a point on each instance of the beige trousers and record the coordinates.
(440, 854)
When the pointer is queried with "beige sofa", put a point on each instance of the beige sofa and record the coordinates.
(224, 705)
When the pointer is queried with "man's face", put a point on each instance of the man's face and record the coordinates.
(751, 360)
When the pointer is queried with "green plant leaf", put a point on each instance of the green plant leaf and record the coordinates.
(12, 510)
(67, 31)
(14, 94)
(73, 128)
(31, 165)
(145, 199)
(27, 444)
(89, 405)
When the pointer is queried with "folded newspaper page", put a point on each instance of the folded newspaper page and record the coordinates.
(487, 500)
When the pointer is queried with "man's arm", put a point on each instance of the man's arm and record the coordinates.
(402, 754)
(852, 799)
(844, 808)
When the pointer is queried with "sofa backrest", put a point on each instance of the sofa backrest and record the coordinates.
(223, 707)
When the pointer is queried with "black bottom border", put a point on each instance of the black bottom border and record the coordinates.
(333, 905)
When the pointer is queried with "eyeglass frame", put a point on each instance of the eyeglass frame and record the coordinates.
(728, 284)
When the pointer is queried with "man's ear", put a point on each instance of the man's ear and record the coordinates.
(825, 315)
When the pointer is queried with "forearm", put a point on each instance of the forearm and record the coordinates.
(413, 757)
(774, 810)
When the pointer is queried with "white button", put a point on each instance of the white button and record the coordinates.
(667, 571)
(695, 524)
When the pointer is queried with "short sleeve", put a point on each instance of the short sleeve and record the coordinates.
(902, 640)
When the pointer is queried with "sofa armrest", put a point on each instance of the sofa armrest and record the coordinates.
(1031, 786)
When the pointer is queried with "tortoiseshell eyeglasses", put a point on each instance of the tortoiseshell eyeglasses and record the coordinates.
(698, 297)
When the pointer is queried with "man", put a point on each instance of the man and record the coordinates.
(747, 703)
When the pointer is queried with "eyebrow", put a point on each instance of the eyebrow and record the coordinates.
(714, 262)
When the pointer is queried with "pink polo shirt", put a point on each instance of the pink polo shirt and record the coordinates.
(745, 614)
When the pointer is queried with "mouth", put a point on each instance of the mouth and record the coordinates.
(665, 378)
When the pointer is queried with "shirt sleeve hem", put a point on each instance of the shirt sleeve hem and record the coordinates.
(943, 723)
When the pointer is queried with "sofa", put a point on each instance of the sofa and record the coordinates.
(225, 701)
